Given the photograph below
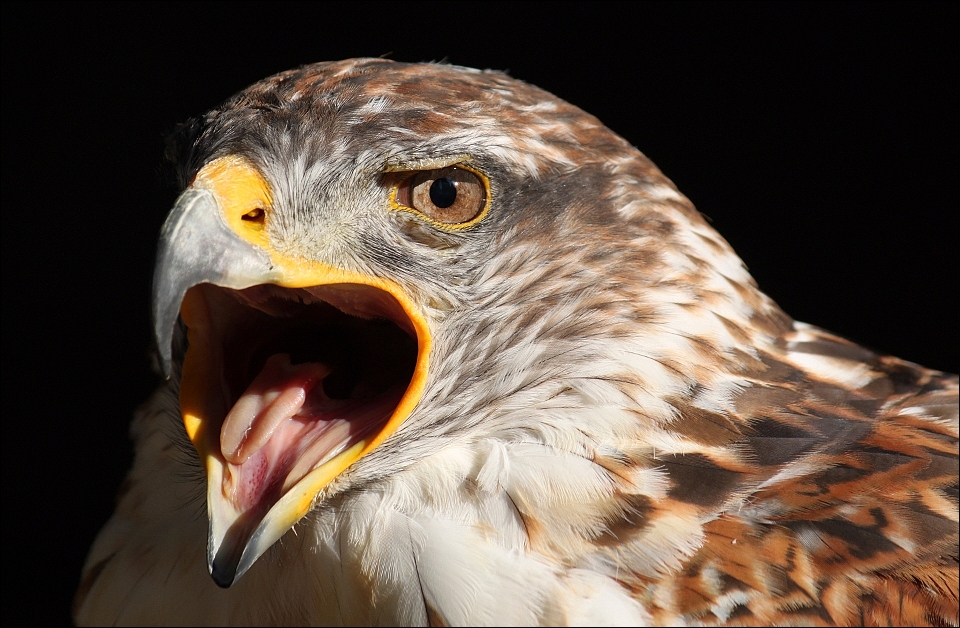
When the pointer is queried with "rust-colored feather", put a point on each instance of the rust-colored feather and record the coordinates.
(852, 514)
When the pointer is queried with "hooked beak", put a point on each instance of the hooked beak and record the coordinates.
(294, 369)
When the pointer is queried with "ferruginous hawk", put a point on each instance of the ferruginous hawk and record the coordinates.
(443, 349)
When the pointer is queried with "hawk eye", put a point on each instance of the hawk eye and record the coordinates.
(449, 195)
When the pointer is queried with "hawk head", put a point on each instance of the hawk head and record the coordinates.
(444, 349)
(374, 261)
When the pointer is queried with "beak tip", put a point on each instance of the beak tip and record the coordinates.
(223, 569)
(223, 578)
(229, 559)
(226, 571)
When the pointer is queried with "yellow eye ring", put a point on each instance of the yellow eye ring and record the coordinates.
(455, 197)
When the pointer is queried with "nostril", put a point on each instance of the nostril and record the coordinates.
(255, 216)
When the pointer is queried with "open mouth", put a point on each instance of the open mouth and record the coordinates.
(295, 368)
(280, 385)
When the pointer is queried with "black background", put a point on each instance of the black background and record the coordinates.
(821, 140)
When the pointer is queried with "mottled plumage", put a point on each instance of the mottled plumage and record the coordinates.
(615, 424)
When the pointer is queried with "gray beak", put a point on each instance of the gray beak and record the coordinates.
(196, 246)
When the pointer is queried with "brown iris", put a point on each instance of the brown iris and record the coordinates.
(449, 195)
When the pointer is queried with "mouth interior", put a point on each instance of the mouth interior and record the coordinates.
(304, 375)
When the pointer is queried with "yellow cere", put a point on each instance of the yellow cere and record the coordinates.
(242, 193)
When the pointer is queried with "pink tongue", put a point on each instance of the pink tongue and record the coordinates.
(277, 394)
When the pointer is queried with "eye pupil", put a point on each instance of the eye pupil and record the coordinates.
(443, 192)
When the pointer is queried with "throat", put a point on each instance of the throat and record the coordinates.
(285, 424)
(276, 395)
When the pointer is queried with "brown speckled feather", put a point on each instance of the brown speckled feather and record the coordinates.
(853, 519)
(617, 425)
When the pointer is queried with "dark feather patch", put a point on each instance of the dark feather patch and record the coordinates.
(697, 480)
